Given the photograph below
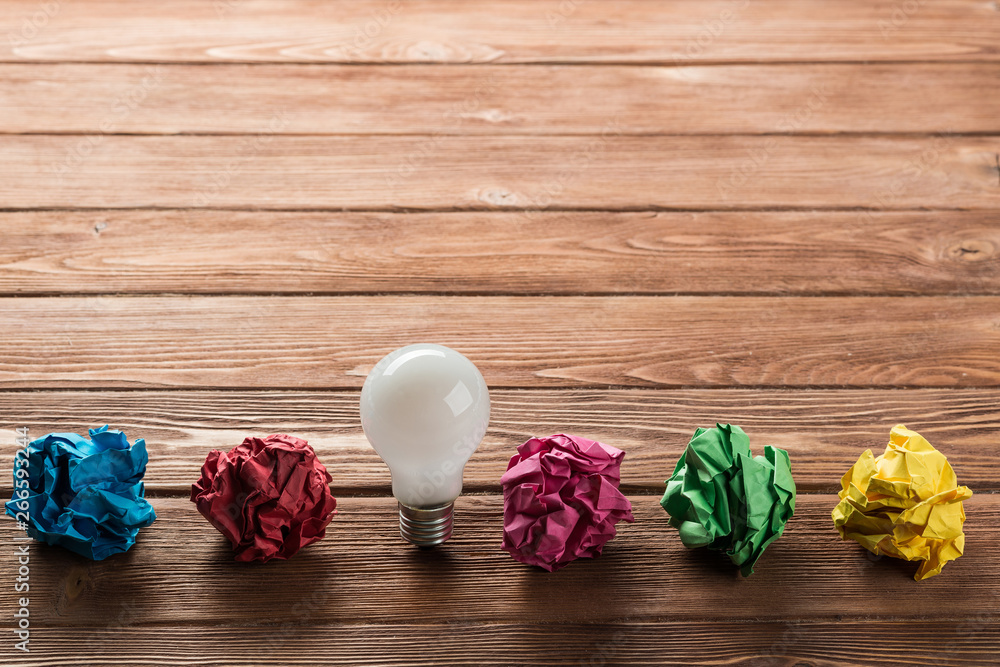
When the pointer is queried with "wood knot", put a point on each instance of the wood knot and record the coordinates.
(430, 51)
(76, 582)
(972, 250)
(499, 197)
(426, 51)
(490, 115)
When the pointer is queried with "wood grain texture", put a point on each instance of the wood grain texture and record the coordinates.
(181, 572)
(612, 172)
(854, 643)
(454, 31)
(824, 431)
(326, 342)
(742, 99)
(637, 217)
(770, 252)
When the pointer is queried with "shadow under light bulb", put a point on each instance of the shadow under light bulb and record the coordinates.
(425, 409)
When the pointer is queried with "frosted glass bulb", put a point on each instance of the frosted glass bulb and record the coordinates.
(425, 408)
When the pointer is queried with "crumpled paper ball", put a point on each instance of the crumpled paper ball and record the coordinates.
(84, 495)
(906, 503)
(723, 498)
(269, 496)
(561, 500)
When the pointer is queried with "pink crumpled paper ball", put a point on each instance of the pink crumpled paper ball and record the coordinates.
(561, 500)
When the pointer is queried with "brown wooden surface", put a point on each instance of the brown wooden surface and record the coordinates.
(887, 643)
(747, 99)
(445, 172)
(183, 572)
(759, 252)
(636, 217)
(507, 31)
(823, 430)
(315, 341)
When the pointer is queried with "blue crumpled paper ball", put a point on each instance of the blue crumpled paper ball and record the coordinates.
(84, 495)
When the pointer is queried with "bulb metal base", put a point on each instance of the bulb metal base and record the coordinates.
(426, 526)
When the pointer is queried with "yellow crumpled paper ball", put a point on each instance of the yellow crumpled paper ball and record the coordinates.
(906, 503)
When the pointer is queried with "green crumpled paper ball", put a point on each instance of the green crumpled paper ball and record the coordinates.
(723, 498)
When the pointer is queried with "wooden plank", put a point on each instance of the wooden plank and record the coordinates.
(453, 31)
(741, 99)
(446, 172)
(970, 642)
(181, 571)
(824, 431)
(773, 252)
(330, 342)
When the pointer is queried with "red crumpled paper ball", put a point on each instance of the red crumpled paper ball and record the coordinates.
(561, 500)
(269, 496)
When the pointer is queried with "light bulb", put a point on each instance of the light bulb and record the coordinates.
(425, 408)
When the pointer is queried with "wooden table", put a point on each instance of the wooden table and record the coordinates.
(636, 217)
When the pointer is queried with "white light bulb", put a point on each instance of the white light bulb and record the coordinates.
(425, 409)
